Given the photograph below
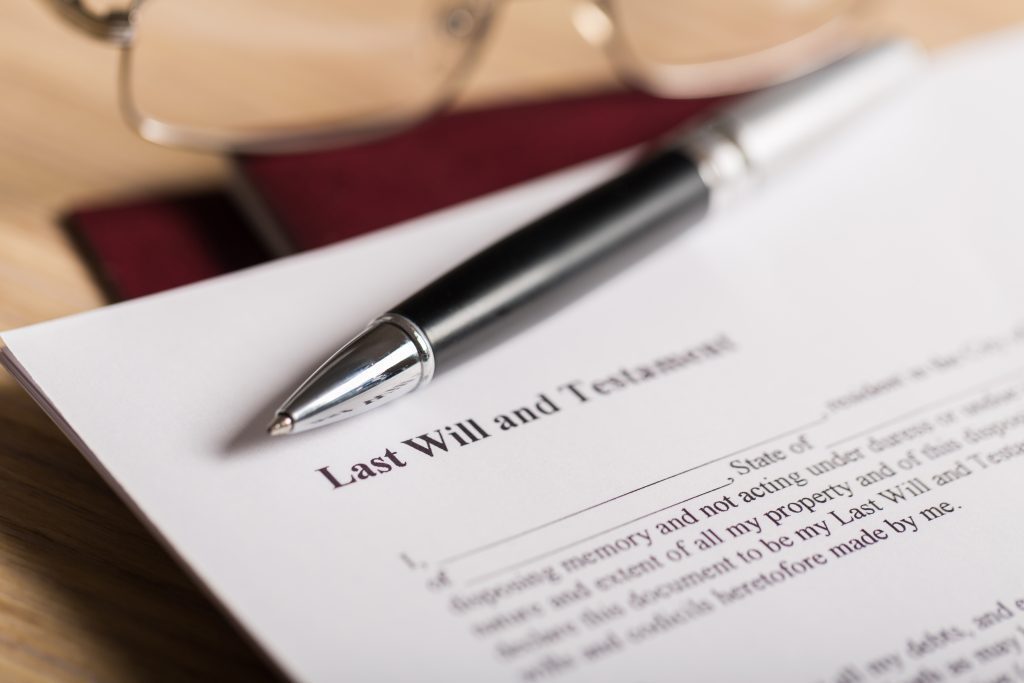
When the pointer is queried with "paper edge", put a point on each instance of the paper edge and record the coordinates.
(9, 361)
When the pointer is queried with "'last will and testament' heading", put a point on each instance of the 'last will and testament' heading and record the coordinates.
(470, 431)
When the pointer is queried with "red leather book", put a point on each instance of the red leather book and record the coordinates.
(301, 201)
(144, 246)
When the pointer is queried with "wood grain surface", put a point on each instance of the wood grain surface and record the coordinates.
(85, 593)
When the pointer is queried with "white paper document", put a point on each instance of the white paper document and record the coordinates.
(787, 447)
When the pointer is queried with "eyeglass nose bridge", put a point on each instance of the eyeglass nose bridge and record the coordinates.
(113, 27)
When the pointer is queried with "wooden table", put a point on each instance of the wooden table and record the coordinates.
(85, 593)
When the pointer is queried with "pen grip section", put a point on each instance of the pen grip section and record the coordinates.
(558, 258)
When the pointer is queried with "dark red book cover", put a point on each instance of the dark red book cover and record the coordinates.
(281, 204)
(301, 201)
(145, 245)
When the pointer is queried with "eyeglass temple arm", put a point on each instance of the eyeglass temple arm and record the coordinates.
(112, 27)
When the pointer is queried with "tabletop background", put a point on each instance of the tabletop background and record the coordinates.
(85, 593)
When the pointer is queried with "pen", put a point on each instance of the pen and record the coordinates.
(559, 257)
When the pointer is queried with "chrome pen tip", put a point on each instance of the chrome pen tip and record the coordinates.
(282, 424)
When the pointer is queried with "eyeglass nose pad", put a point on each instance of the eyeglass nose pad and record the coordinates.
(593, 21)
(461, 20)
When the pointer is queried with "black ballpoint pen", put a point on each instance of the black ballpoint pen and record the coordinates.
(557, 258)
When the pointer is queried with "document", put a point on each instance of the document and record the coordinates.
(787, 447)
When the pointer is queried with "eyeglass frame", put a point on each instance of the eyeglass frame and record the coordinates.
(769, 66)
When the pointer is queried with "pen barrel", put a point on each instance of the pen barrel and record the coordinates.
(557, 258)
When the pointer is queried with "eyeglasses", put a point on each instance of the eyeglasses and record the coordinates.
(275, 75)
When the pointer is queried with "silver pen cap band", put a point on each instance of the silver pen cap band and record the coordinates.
(764, 130)
(417, 337)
